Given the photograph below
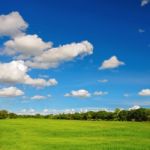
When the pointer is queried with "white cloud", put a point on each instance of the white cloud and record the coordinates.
(38, 82)
(16, 72)
(79, 93)
(32, 49)
(126, 95)
(12, 72)
(103, 81)
(38, 97)
(26, 45)
(52, 82)
(39, 54)
(69, 111)
(45, 110)
(135, 107)
(144, 92)
(144, 2)
(100, 93)
(111, 63)
(12, 24)
(10, 92)
(30, 111)
(141, 30)
(53, 57)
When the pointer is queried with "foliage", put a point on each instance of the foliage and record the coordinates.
(141, 114)
(3, 114)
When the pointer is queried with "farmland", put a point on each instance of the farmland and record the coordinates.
(46, 134)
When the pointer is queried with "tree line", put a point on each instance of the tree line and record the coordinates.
(141, 114)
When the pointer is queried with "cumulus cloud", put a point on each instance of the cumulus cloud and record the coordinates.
(111, 63)
(103, 81)
(45, 110)
(144, 92)
(38, 97)
(100, 93)
(79, 93)
(12, 24)
(10, 92)
(26, 45)
(141, 30)
(53, 57)
(52, 82)
(33, 50)
(12, 72)
(39, 54)
(144, 2)
(135, 107)
(38, 82)
(30, 111)
(16, 72)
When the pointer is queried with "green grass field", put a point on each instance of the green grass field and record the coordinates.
(44, 134)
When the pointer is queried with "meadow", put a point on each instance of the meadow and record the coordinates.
(46, 134)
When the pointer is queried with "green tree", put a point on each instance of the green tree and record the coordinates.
(3, 114)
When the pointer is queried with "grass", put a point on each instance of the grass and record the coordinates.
(44, 134)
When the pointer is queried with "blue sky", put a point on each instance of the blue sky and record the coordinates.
(110, 28)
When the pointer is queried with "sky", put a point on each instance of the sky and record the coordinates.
(74, 55)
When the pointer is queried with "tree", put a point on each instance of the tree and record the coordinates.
(3, 114)
(12, 115)
(116, 114)
(137, 115)
(123, 115)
